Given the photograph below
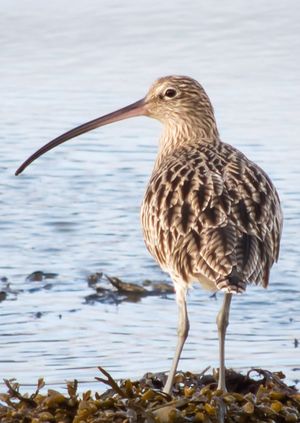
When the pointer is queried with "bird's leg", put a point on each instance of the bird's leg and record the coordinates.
(183, 330)
(222, 323)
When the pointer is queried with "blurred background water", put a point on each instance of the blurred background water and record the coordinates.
(76, 210)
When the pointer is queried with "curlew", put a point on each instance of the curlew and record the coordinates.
(209, 215)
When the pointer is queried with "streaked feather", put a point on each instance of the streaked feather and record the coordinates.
(226, 219)
(209, 213)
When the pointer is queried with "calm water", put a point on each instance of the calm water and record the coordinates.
(76, 210)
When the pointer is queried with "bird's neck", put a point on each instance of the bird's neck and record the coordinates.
(184, 135)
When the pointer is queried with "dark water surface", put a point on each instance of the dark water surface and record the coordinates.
(76, 210)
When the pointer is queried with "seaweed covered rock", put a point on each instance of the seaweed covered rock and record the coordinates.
(195, 399)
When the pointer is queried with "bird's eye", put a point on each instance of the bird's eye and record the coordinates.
(170, 93)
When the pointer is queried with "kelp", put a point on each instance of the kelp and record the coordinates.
(195, 398)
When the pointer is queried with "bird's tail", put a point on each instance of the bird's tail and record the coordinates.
(233, 284)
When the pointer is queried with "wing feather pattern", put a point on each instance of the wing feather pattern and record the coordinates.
(211, 214)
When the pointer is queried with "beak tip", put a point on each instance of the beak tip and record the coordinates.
(18, 171)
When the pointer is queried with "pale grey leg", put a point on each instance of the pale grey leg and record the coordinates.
(222, 323)
(183, 330)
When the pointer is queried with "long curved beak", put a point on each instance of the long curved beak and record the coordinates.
(135, 109)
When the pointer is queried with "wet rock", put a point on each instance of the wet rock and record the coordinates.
(3, 296)
(39, 276)
(6, 292)
(93, 278)
(127, 288)
(103, 296)
(161, 288)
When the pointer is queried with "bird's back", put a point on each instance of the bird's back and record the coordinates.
(211, 215)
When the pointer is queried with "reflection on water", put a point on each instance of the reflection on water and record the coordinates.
(76, 211)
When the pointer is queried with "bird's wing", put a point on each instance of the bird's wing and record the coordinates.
(255, 213)
(217, 219)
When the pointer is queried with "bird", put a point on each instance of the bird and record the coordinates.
(209, 215)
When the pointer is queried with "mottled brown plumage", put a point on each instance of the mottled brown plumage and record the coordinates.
(210, 212)
(209, 215)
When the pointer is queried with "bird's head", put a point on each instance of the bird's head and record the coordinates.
(174, 100)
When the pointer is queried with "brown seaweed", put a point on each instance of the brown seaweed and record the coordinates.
(112, 290)
(195, 399)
